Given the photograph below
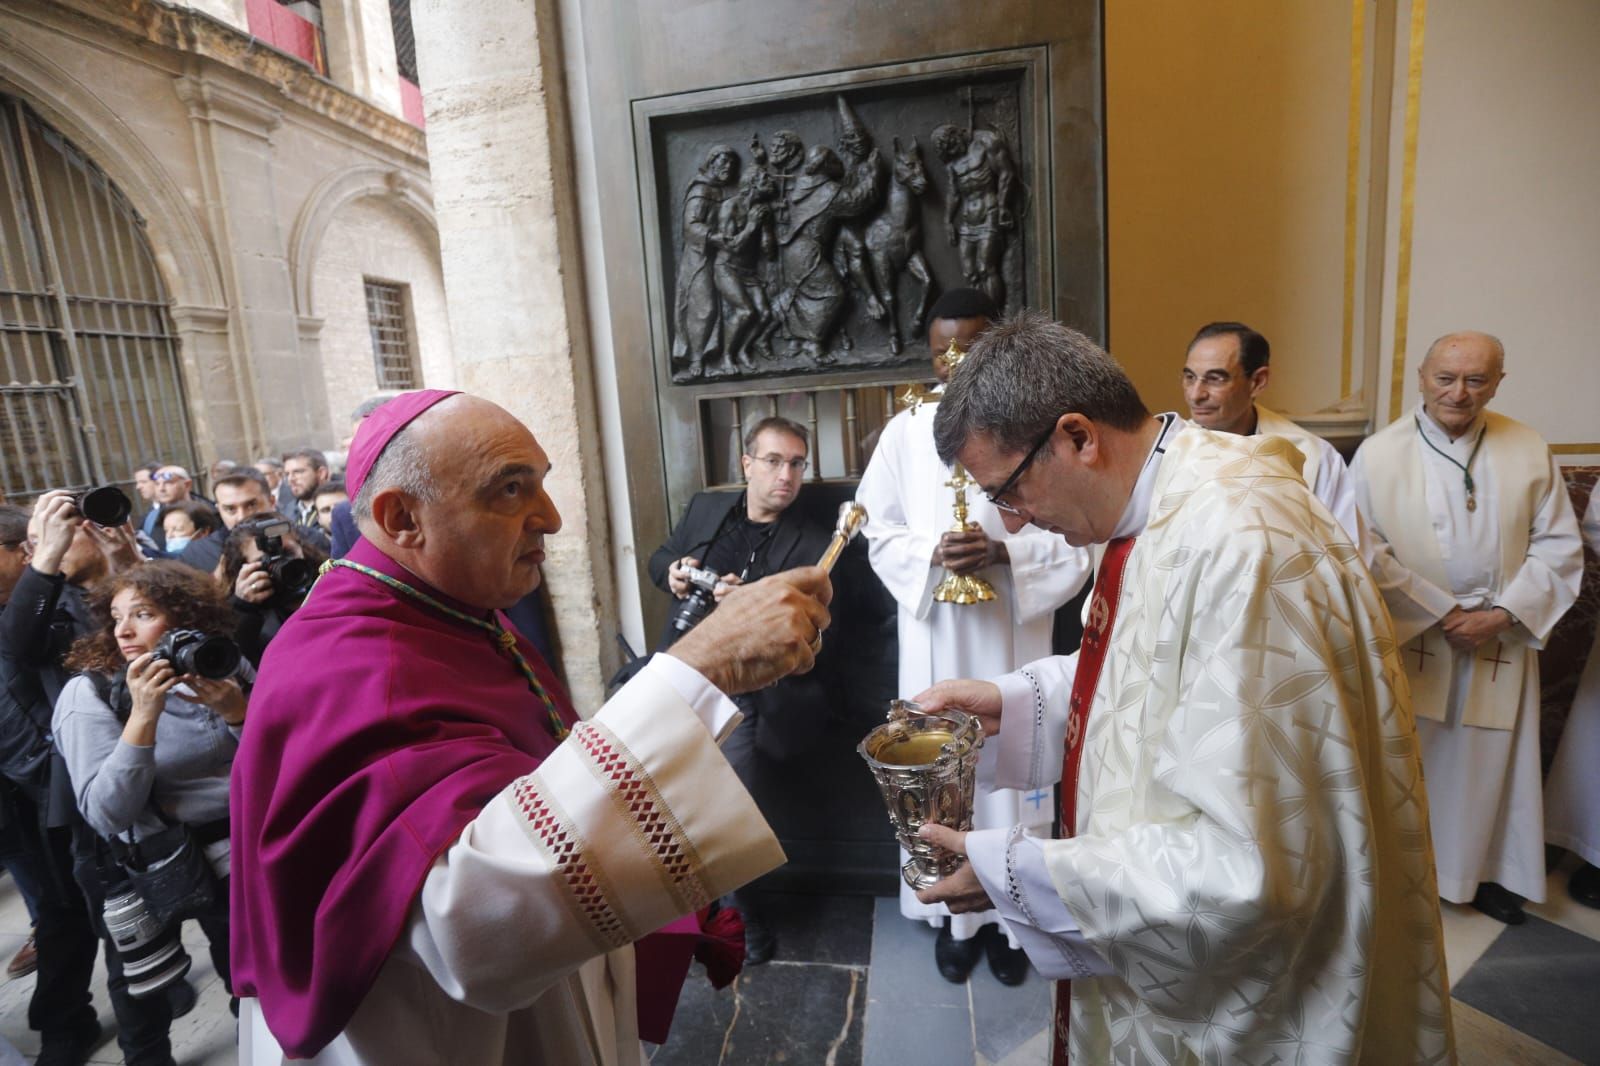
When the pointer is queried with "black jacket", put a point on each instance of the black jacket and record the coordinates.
(789, 716)
(37, 629)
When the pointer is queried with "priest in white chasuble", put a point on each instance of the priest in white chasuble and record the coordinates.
(909, 496)
(434, 860)
(1572, 792)
(1245, 874)
(1226, 369)
(1483, 558)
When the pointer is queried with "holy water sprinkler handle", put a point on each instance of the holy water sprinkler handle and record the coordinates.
(852, 516)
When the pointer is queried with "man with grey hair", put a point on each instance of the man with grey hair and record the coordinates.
(1244, 873)
(1480, 544)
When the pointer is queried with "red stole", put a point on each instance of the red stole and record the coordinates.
(1091, 658)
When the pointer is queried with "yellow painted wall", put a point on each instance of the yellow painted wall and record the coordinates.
(1226, 155)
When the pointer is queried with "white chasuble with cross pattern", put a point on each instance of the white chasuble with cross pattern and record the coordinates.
(1477, 711)
(909, 506)
(1252, 854)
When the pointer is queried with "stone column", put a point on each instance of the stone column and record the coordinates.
(499, 151)
(232, 129)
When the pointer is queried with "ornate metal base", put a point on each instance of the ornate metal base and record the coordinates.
(963, 588)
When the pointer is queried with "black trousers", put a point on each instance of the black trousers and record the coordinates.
(754, 900)
(40, 860)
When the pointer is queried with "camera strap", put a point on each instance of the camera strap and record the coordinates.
(503, 638)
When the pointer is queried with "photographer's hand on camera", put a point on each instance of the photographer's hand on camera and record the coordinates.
(149, 680)
(677, 575)
(223, 696)
(762, 632)
(58, 520)
(727, 584)
(253, 586)
(119, 544)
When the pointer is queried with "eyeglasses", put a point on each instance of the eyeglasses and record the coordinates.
(1010, 483)
(1214, 378)
(168, 477)
(773, 462)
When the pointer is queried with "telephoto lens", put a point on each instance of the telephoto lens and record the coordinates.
(193, 652)
(152, 955)
(104, 505)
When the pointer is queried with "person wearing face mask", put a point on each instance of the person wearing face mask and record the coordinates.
(185, 522)
(1477, 528)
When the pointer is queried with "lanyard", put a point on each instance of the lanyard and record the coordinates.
(1466, 468)
(505, 638)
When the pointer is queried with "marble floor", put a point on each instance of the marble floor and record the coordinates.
(854, 985)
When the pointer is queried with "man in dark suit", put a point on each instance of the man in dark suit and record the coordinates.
(742, 537)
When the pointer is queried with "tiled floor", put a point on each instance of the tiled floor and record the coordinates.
(854, 985)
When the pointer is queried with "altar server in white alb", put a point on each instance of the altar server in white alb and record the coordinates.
(1486, 559)
(1226, 368)
(909, 501)
(1572, 792)
(1246, 876)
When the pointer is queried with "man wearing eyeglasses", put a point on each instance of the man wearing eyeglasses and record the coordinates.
(739, 538)
(1225, 371)
(172, 484)
(912, 546)
(1244, 872)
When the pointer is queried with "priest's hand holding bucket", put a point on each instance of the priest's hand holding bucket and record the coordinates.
(981, 699)
(961, 891)
(761, 632)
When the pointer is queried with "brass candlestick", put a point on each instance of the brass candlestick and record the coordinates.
(962, 588)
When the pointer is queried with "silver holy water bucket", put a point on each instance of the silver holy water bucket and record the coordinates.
(925, 766)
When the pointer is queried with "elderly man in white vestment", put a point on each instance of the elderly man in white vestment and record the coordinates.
(1572, 792)
(1245, 875)
(440, 862)
(1225, 370)
(908, 495)
(1481, 558)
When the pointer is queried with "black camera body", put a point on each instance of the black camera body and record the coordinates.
(291, 576)
(104, 505)
(193, 652)
(701, 600)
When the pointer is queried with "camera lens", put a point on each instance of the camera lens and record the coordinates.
(152, 955)
(693, 610)
(291, 576)
(192, 652)
(105, 505)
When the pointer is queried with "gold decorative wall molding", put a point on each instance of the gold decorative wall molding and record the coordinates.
(1408, 183)
(1352, 196)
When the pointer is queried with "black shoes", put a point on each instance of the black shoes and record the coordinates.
(1585, 885)
(68, 1049)
(1499, 903)
(955, 958)
(1008, 964)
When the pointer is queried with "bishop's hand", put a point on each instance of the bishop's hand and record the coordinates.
(761, 632)
(961, 891)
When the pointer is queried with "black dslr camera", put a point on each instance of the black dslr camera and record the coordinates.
(193, 652)
(701, 601)
(291, 576)
(104, 505)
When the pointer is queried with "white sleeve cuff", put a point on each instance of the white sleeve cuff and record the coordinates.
(1010, 865)
(716, 711)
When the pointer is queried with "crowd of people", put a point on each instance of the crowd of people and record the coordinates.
(128, 654)
(1245, 859)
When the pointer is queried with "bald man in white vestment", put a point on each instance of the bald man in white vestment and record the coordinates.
(1245, 875)
(1482, 559)
(1572, 792)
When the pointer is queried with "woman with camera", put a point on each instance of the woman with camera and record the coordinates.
(149, 731)
(270, 570)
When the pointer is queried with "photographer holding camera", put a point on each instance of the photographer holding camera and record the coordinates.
(148, 732)
(725, 540)
(47, 611)
(270, 570)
